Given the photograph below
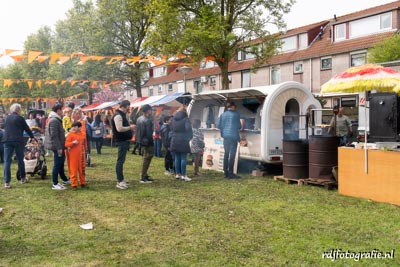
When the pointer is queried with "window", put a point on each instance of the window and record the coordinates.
(275, 74)
(326, 63)
(386, 21)
(33, 104)
(303, 41)
(207, 64)
(289, 43)
(340, 32)
(245, 54)
(298, 67)
(350, 101)
(213, 80)
(358, 59)
(230, 77)
(160, 89)
(245, 78)
(160, 71)
(44, 105)
(197, 86)
(371, 25)
(170, 87)
(151, 91)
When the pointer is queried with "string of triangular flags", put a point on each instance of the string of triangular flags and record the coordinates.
(40, 83)
(60, 58)
(7, 100)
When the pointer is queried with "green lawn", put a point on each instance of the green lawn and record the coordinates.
(211, 221)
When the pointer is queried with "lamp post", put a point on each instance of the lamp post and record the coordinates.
(185, 70)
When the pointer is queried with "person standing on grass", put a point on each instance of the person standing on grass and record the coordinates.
(229, 125)
(181, 134)
(166, 136)
(76, 145)
(144, 136)
(13, 140)
(122, 134)
(55, 141)
(98, 132)
(197, 145)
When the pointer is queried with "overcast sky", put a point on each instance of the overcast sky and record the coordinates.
(20, 18)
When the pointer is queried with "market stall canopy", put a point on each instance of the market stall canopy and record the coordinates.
(91, 106)
(169, 100)
(364, 78)
(138, 99)
(107, 105)
(150, 100)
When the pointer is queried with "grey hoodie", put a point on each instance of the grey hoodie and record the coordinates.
(54, 133)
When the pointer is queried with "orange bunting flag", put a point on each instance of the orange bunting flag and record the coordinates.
(133, 59)
(114, 60)
(30, 83)
(63, 82)
(98, 58)
(39, 84)
(73, 82)
(8, 82)
(83, 59)
(32, 55)
(10, 51)
(77, 54)
(54, 57)
(62, 60)
(18, 58)
(42, 58)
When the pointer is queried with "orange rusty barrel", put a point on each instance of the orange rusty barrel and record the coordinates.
(323, 155)
(295, 159)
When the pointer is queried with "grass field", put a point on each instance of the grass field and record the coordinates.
(211, 221)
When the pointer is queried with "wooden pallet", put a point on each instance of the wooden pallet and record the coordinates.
(326, 183)
(288, 180)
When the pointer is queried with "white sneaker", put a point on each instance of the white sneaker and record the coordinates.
(185, 178)
(58, 187)
(178, 176)
(167, 173)
(122, 185)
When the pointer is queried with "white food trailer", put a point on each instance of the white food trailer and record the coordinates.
(261, 110)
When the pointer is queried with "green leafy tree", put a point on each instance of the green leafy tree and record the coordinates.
(217, 28)
(125, 25)
(385, 51)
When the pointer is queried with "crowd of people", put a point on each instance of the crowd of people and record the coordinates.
(69, 135)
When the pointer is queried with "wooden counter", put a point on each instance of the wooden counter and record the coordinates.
(381, 183)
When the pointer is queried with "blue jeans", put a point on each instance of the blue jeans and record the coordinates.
(58, 168)
(9, 148)
(157, 147)
(230, 147)
(180, 163)
(119, 167)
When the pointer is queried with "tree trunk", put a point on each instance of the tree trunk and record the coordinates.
(223, 65)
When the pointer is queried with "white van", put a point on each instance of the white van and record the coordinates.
(261, 110)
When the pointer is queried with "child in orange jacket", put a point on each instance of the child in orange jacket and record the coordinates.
(76, 145)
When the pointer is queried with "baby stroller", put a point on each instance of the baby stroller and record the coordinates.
(34, 158)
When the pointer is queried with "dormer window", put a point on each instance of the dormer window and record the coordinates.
(371, 25)
(289, 43)
(303, 41)
(340, 32)
(245, 54)
(160, 71)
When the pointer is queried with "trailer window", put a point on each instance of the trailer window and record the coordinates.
(349, 101)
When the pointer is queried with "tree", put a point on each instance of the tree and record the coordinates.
(385, 51)
(217, 28)
(125, 26)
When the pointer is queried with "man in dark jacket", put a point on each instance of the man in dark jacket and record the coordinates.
(229, 124)
(122, 134)
(14, 128)
(55, 141)
(144, 136)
